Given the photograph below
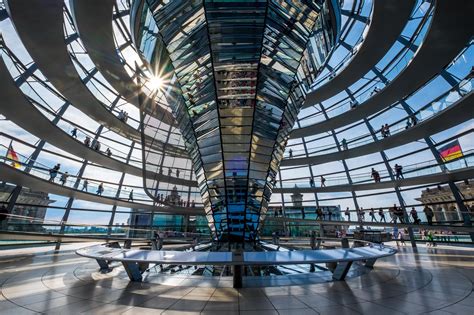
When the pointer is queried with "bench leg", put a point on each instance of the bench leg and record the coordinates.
(370, 262)
(103, 264)
(133, 271)
(341, 270)
(237, 277)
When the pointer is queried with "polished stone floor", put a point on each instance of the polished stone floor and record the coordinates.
(431, 281)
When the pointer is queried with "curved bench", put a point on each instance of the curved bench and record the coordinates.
(136, 261)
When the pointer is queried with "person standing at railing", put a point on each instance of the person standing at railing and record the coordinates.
(344, 144)
(429, 214)
(3, 216)
(100, 189)
(414, 216)
(74, 133)
(393, 213)
(375, 175)
(130, 196)
(398, 171)
(319, 214)
(323, 181)
(347, 213)
(382, 215)
(372, 215)
(108, 152)
(63, 178)
(311, 182)
(85, 184)
(290, 153)
(54, 172)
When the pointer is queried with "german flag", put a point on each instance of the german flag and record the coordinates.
(12, 156)
(450, 151)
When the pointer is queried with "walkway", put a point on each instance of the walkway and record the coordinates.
(450, 31)
(389, 17)
(17, 177)
(455, 175)
(456, 114)
(423, 226)
(97, 35)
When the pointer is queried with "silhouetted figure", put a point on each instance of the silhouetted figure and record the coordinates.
(323, 181)
(85, 185)
(375, 175)
(63, 178)
(347, 213)
(382, 215)
(100, 189)
(398, 171)
(54, 172)
(372, 215)
(429, 214)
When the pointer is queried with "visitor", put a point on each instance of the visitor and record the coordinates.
(108, 152)
(429, 214)
(63, 178)
(401, 237)
(177, 173)
(121, 115)
(74, 133)
(382, 131)
(96, 145)
(387, 130)
(361, 214)
(3, 216)
(130, 196)
(347, 213)
(329, 214)
(372, 215)
(290, 153)
(398, 171)
(382, 215)
(100, 189)
(408, 124)
(170, 172)
(393, 213)
(430, 239)
(54, 172)
(85, 184)
(375, 91)
(375, 175)
(400, 214)
(87, 141)
(323, 181)
(193, 204)
(414, 216)
(319, 214)
(344, 144)
(311, 182)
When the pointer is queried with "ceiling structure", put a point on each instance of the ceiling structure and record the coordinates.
(257, 84)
